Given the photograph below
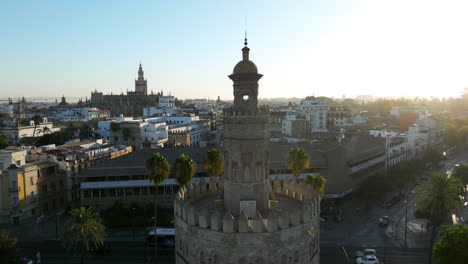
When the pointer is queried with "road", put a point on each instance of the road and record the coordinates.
(121, 252)
(333, 254)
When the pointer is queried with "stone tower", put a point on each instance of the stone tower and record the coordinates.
(141, 85)
(246, 178)
(246, 217)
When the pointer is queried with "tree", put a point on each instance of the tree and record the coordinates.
(317, 182)
(461, 172)
(114, 126)
(126, 133)
(72, 127)
(37, 120)
(3, 117)
(184, 170)
(8, 251)
(453, 245)
(3, 141)
(432, 156)
(297, 160)
(84, 231)
(158, 170)
(439, 196)
(214, 162)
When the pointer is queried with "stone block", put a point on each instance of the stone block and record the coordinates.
(215, 221)
(203, 220)
(228, 223)
(243, 223)
(284, 220)
(272, 222)
(258, 226)
(191, 216)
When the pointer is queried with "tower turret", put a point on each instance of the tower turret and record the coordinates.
(245, 77)
(141, 85)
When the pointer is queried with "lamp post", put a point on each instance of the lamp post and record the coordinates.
(406, 219)
(133, 223)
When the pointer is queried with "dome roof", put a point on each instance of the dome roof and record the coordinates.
(245, 67)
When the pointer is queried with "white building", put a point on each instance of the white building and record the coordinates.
(424, 134)
(153, 131)
(314, 110)
(396, 146)
(16, 133)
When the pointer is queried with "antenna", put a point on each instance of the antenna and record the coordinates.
(245, 40)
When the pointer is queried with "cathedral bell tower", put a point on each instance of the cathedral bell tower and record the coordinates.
(246, 181)
(141, 85)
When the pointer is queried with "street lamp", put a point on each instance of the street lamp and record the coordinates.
(406, 219)
(133, 223)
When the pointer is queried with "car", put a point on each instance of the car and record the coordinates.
(367, 256)
(384, 220)
(324, 219)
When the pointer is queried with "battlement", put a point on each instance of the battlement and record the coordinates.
(262, 111)
(277, 218)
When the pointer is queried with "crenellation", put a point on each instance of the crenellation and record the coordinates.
(204, 219)
(243, 223)
(228, 223)
(284, 219)
(215, 220)
(272, 222)
(257, 222)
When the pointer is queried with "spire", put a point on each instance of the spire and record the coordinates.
(245, 50)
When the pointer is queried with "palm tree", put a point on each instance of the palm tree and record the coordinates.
(37, 120)
(126, 133)
(8, 252)
(72, 127)
(184, 170)
(84, 231)
(297, 160)
(439, 196)
(114, 126)
(214, 162)
(317, 182)
(46, 130)
(158, 170)
(3, 118)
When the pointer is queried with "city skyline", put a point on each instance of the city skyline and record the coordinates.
(326, 49)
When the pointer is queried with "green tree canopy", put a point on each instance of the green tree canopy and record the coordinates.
(439, 196)
(453, 245)
(114, 126)
(461, 172)
(4, 141)
(317, 182)
(8, 252)
(433, 156)
(158, 168)
(84, 230)
(214, 162)
(37, 120)
(297, 160)
(184, 170)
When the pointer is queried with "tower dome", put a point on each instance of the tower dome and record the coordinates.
(245, 66)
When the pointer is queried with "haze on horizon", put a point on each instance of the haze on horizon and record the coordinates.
(326, 48)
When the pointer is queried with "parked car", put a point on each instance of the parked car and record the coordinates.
(384, 220)
(367, 256)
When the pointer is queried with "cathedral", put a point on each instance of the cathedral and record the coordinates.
(130, 104)
(244, 217)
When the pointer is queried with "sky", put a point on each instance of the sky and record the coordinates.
(188, 48)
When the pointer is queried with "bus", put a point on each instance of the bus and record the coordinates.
(165, 237)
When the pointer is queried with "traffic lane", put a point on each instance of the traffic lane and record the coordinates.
(120, 252)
